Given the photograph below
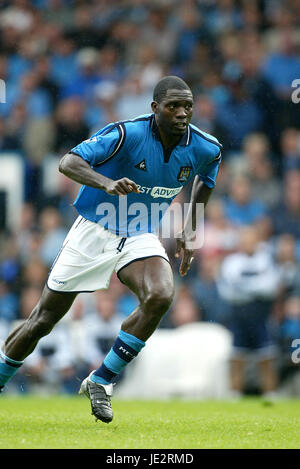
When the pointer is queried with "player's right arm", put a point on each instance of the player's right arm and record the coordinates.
(76, 168)
(106, 144)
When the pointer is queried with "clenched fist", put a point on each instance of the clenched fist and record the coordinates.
(122, 186)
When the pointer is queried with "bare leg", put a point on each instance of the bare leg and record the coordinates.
(51, 307)
(152, 281)
(268, 375)
(237, 374)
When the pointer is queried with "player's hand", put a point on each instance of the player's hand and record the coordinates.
(188, 254)
(122, 186)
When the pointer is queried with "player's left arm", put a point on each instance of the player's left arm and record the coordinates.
(204, 183)
(185, 240)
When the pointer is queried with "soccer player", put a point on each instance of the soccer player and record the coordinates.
(148, 159)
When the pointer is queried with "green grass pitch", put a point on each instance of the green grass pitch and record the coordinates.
(66, 422)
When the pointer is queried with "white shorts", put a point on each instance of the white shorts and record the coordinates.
(90, 254)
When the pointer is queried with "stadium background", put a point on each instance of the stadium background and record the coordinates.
(72, 66)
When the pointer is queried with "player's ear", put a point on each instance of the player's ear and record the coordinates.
(154, 107)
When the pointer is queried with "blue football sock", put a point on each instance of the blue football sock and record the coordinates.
(125, 349)
(8, 368)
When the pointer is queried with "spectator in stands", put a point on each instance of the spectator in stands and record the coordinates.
(58, 13)
(53, 232)
(10, 263)
(239, 114)
(286, 256)
(185, 310)
(224, 16)
(205, 291)
(240, 207)
(212, 85)
(23, 233)
(64, 66)
(30, 251)
(42, 70)
(198, 66)
(70, 125)
(34, 273)
(160, 32)
(37, 100)
(204, 117)
(134, 100)
(83, 31)
(15, 126)
(19, 15)
(125, 36)
(264, 184)
(282, 66)
(150, 69)
(103, 109)
(251, 16)
(109, 64)
(192, 30)
(220, 235)
(254, 149)
(283, 19)
(250, 58)
(7, 143)
(285, 216)
(249, 281)
(87, 77)
(290, 149)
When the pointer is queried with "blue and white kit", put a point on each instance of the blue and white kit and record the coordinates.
(113, 231)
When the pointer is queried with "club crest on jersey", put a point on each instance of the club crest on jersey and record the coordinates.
(184, 173)
(141, 165)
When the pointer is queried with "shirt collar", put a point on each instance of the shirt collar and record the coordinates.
(183, 142)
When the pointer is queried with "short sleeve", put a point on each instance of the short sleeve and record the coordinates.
(101, 146)
(209, 174)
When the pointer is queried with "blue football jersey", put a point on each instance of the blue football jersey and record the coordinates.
(133, 149)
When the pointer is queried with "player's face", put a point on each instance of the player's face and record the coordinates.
(174, 112)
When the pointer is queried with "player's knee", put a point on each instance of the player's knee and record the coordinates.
(158, 300)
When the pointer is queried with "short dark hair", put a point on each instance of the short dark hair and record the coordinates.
(168, 83)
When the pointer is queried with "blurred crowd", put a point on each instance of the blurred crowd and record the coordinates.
(70, 67)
